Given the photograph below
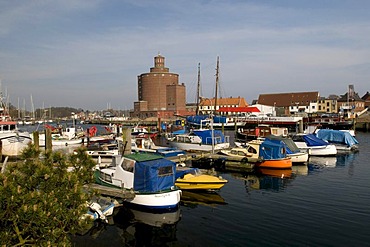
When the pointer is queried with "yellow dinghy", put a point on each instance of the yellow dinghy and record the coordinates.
(195, 180)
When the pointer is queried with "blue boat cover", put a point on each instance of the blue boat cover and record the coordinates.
(198, 118)
(291, 147)
(337, 136)
(312, 140)
(154, 175)
(272, 149)
(206, 136)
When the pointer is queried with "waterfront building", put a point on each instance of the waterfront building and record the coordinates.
(366, 98)
(159, 93)
(350, 103)
(328, 105)
(291, 103)
(225, 106)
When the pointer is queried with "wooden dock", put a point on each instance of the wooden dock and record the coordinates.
(216, 161)
(113, 192)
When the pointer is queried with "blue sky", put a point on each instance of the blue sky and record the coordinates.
(88, 53)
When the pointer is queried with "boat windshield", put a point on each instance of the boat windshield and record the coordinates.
(128, 165)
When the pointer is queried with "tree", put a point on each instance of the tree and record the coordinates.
(42, 198)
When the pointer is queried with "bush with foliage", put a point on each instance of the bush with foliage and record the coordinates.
(42, 197)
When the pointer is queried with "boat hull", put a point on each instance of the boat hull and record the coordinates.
(276, 163)
(61, 143)
(198, 146)
(156, 201)
(200, 182)
(161, 200)
(299, 157)
(14, 143)
(326, 150)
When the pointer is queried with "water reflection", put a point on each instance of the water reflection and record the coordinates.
(266, 179)
(341, 160)
(195, 198)
(280, 173)
(133, 227)
(321, 162)
(301, 170)
(140, 228)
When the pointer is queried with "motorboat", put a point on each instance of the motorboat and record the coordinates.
(68, 136)
(264, 154)
(343, 140)
(151, 177)
(292, 149)
(140, 130)
(200, 140)
(194, 179)
(314, 145)
(12, 140)
(260, 131)
(103, 148)
(100, 208)
(143, 143)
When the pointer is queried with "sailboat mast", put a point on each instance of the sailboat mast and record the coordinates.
(198, 91)
(32, 108)
(217, 68)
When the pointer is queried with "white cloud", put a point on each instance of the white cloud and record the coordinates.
(69, 46)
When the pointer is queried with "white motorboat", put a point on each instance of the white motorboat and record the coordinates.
(151, 177)
(200, 140)
(68, 136)
(313, 145)
(13, 141)
(343, 140)
(143, 143)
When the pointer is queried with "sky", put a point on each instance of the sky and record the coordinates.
(88, 53)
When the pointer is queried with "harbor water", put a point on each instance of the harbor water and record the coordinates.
(326, 203)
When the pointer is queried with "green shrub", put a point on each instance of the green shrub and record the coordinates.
(42, 197)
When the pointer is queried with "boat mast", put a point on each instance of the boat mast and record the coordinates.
(216, 91)
(33, 109)
(198, 91)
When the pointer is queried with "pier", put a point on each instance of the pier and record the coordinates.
(112, 192)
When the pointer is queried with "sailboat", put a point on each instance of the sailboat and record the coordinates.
(202, 139)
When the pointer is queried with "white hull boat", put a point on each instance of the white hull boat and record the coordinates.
(200, 140)
(299, 157)
(150, 176)
(314, 146)
(13, 142)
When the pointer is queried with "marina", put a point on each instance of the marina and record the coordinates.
(252, 196)
(248, 125)
(304, 206)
